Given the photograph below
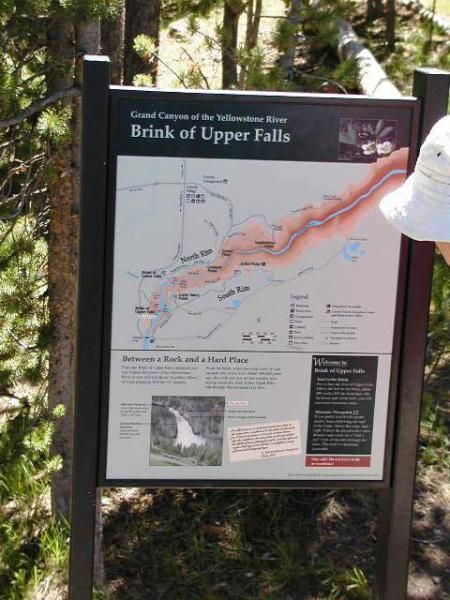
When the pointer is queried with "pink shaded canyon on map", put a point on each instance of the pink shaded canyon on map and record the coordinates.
(257, 245)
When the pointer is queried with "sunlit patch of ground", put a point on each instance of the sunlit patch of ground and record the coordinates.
(189, 58)
(442, 6)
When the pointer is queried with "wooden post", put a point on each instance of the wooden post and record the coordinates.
(396, 502)
(96, 80)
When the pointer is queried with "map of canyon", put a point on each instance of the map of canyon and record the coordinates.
(234, 253)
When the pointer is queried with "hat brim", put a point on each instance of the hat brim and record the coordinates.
(412, 213)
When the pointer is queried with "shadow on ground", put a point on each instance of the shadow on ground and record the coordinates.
(287, 545)
(238, 544)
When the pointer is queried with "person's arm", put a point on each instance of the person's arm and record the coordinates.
(444, 247)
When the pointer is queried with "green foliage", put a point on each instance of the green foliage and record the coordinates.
(21, 69)
(319, 22)
(143, 80)
(350, 584)
(32, 545)
(177, 9)
(435, 431)
(39, 561)
(102, 594)
(314, 39)
(23, 303)
(54, 124)
(346, 74)
(439, 325)
(27, 533)
(25, 427)
(257, 75)
(284, 34)
(235, 544)
(54, 544)
(95, 9)
(434, 445)
(145, 46)
(413, 49)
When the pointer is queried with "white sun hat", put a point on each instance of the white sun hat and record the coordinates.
(420, 208)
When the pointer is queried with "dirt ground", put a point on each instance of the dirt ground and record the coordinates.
(292, 545)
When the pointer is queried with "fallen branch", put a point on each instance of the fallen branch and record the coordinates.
(373, 80)
(426, 14)
(38, 106)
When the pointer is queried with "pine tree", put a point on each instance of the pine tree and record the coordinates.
(41, 44)
(374, 10)
(291, 27)
(232, 11)
(390, 24)
(113, 40)
(142, 17)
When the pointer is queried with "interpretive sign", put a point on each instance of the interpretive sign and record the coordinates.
(253, 284)
(245, 316)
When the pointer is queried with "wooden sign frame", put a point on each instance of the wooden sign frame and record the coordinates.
(395, 489)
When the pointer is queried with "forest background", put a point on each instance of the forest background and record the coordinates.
(179, 544)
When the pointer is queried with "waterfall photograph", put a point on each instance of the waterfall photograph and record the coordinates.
(187, 430)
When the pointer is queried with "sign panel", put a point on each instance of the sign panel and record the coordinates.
(253, 285)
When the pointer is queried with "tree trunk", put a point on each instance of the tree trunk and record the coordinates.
(232, 10)
(374, 10)
(250, 15)
(113, 37)
(61, 272)
(432, 21)
(372, 78)
(390, 24)
(253, 14)
(287, 61)
(141, 16)
(253, 21)
(63, 249)
(88, 41)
